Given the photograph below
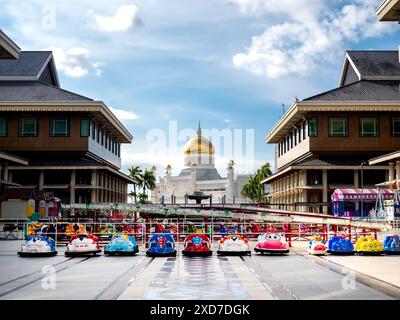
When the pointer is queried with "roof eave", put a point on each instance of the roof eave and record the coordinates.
(283, 121)
(386, 9)
(348, 61)
(385, 158)
(70, 106)
(13, 158)
(300, 108)
(50, 60)
(9, 46)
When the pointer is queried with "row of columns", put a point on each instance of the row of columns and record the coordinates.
(287, 190)
(4, 173)
(105, 188)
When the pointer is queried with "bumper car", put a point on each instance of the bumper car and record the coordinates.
(82, 244)
(391, 244)
(197, 244)
(340, 245)
(317, 246)
(161, 245)
(38, 246)
(233, 245)
(368, 245)
(121, 245)
(272, 243)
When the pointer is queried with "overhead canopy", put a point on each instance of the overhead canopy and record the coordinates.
(360, 194)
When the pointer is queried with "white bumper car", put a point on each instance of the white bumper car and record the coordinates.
(82, 244)
(38, 246)
(233, 245)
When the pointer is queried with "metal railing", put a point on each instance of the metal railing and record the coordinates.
(180, 229)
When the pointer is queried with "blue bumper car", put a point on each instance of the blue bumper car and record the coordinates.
(340, 245)
(121, 245)
(161, 245)
(38, 246)
(391, 244)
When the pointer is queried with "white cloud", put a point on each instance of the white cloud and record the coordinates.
(123, 20)
(298, 10)
(124, 115)
(307, 38)
(75, 62)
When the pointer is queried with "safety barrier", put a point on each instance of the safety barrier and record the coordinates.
(180, 229)
(12, 229)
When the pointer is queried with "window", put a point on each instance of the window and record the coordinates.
(338, 127)
(304, 130)
(312, 127)
(105, 140)
(369, 127)
(300, 133)
(28, 127)
(85, 127)
(395, 127)
(59, 127)
(93, 130)
(3, 127)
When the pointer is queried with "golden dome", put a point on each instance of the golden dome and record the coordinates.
(198, 145)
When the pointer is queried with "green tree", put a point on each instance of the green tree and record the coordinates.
(142, 198)
(148, 181)
(253, 189)
(136, 174)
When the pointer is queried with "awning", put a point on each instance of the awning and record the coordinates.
(360, 194)
(9, 183)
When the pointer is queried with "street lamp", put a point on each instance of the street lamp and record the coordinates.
(363, 163)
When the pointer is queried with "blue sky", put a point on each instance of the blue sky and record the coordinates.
(230, 64)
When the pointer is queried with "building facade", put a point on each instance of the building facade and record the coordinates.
(324, 142)
(200, 175)
(53, 142)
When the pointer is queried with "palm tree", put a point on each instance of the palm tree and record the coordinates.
(136, 174)
(148, 180)
(253, 189)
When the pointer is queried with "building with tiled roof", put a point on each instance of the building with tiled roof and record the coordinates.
(324, 142)
(200, 175)
(53, 142)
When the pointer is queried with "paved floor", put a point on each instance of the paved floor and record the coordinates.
(293, 276)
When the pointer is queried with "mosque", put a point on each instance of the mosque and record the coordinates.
(200, 175)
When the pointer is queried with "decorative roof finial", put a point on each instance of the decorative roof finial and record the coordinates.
(199, 130)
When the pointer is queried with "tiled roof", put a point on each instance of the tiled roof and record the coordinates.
(376, 63)
(14, 91)
(328, 161)
(67, 162)
(28, 64)
(364, 90)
